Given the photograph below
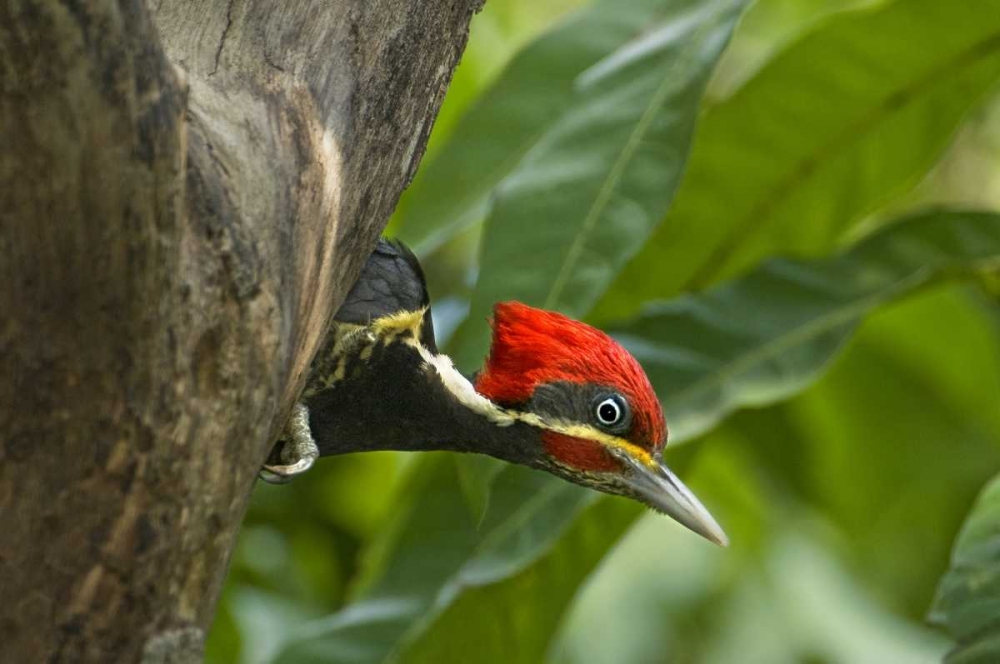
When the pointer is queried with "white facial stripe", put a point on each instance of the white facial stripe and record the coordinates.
(464, 391)
(452, 378)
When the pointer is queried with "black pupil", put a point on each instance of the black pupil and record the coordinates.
(607, 411)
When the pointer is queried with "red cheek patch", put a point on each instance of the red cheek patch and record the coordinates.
(579, 453)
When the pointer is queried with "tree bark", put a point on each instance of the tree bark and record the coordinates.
(187, 191)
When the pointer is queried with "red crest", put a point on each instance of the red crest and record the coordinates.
(532, 347)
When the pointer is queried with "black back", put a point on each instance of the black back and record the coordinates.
(391, 281)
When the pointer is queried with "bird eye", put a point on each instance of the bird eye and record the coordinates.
(610, 411)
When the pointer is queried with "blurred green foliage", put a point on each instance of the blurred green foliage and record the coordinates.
(794, 232)
(968, 600)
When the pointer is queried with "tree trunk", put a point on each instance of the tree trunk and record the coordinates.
(187, 191)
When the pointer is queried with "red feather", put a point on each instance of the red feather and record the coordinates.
(580, 453)
(532, 347)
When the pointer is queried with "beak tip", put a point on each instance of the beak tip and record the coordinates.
(709, 528)
(663, 491)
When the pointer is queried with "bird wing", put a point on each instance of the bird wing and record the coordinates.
(390, 282)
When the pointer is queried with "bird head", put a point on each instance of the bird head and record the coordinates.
(601, 424)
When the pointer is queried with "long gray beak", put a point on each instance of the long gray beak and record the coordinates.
(663, 491)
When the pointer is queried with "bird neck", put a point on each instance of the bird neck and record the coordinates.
(395, 394)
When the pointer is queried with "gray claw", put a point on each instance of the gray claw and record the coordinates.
(298, 453)
(285, 473)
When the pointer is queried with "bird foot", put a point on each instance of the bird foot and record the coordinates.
(298, 450)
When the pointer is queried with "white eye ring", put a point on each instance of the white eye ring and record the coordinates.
(609, 412)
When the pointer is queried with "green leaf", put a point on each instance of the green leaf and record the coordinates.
(837, 125)
(768, 335)
(475, 476)
(436, 566)
(766, 29)
(603, 167)
(513, 118)
(513, 620)
(889, 422)
(434, 553)
(968, 600)
(586, 196)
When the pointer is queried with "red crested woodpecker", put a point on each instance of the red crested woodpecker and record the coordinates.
(555, 394)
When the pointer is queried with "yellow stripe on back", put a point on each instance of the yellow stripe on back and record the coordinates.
(394, 325)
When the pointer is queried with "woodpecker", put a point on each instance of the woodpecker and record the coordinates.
(554, 394)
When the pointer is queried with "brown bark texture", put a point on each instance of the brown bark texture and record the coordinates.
(187, 190)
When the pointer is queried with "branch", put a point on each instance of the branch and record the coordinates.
(177, 225)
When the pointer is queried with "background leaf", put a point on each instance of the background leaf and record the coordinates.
(799, 153)
(438, 565)
(869, 472)
(764, 337)
(434, 553)
(590, 187)
(527, 100)
(968, 601)
(593, 186)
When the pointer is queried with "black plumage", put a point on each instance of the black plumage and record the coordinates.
(369, 390)
(391, 281)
